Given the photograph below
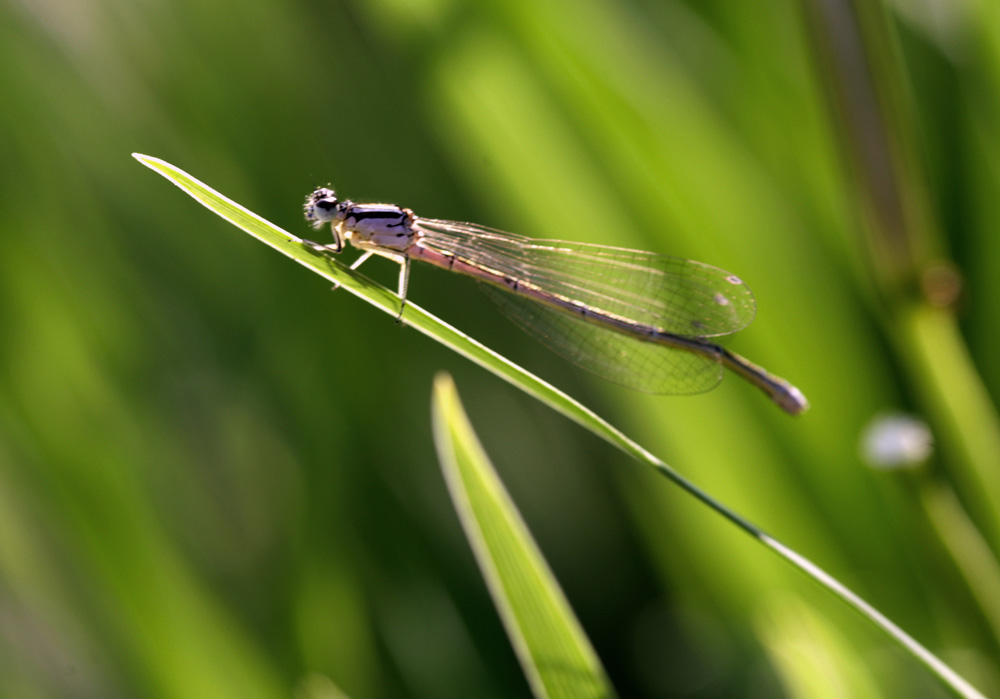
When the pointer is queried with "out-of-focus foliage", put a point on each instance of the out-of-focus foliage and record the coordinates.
(217, 477)
(555, 654)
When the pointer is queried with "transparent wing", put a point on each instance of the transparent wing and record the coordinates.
(615, 356)
(671, 294)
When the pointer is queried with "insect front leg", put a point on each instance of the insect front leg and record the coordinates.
(336, 247)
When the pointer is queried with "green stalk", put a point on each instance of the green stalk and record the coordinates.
(357, 284)
(914, 285)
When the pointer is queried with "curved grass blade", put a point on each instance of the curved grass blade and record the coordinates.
(552, 647)
(356, 283)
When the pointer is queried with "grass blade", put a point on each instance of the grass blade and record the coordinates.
(377, 295)
(552, 647)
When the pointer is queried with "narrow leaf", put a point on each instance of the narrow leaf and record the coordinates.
(377, 295)
(552, 647)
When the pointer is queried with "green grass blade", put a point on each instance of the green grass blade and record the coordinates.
(552, 647)
(355, 283)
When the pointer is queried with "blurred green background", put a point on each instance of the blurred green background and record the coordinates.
(217, 477)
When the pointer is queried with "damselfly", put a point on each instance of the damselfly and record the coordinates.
(639, 319)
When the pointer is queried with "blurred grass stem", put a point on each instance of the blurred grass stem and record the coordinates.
(857, 49)
(957, 403)
(967, 548)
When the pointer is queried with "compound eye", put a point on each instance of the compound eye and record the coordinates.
(321, 205)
